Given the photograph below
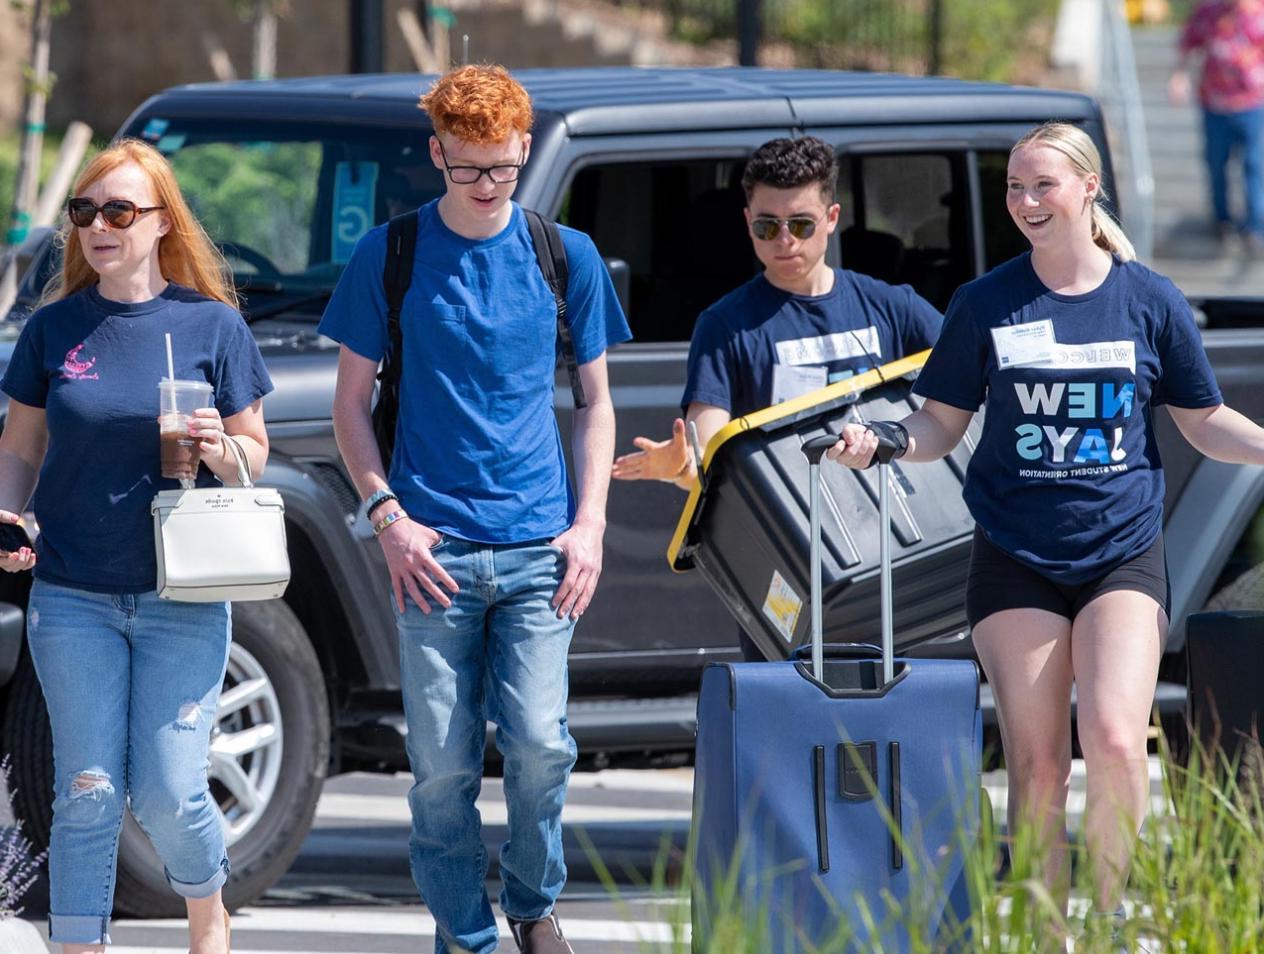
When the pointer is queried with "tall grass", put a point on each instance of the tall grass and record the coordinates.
(1197, 886)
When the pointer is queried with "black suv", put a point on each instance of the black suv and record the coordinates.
(287, 175)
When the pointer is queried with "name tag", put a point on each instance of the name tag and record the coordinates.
(1026, 344)
(795, 380)
(839, 346)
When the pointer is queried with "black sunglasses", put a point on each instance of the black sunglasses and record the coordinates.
(766, 228)
(118, 213)
(468, 175)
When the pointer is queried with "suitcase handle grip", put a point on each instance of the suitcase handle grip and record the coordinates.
(888, 447)
(815, 448)
(840, 651)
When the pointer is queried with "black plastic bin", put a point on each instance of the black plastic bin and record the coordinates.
(745, 527)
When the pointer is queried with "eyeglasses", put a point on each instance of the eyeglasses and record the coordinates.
(468, 175)
(766, 228)
(118, 213)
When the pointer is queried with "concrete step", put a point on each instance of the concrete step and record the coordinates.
(1235, 276)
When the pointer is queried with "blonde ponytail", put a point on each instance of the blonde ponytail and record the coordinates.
(1074, 143)
(1108, 234)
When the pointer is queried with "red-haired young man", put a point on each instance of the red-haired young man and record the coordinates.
(491, 558)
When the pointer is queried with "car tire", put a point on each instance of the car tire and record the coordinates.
(28, 740)
(274, 671)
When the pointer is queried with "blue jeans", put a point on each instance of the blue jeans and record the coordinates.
(131, 683)
(498, 653)
(1224, 132)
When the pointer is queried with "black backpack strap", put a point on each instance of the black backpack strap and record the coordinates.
(397, 275)
(550, 254)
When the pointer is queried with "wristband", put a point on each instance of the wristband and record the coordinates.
(893, 439)
(392, 517)
(377, 498)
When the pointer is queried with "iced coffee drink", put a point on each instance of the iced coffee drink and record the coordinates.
(178, 449)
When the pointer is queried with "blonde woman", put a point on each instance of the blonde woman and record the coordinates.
(1073, 346)
(131, 681)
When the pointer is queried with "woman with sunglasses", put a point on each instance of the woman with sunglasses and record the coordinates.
(1072, 346)
(131, 682)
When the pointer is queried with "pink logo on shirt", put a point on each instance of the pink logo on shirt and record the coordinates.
(73, 369)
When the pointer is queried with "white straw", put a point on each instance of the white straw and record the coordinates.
(171, 367)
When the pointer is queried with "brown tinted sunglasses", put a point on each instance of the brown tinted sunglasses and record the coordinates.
(118, 213)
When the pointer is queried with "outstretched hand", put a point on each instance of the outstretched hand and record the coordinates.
(656, 460)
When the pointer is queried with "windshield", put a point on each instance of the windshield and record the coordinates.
(288, 201)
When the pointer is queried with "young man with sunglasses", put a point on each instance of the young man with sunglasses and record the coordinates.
(797, 327)
(491, 559)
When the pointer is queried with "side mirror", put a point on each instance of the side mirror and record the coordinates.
(621, 276)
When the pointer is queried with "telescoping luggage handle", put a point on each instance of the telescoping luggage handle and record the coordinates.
(814, 450)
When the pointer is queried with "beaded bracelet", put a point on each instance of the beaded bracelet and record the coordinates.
(376, 499)
(386, 521)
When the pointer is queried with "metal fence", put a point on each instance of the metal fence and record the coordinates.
(843, 34)
(978, 39)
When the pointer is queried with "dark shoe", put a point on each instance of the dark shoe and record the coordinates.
(540, 937)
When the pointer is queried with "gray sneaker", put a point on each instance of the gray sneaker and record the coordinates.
(540, 937)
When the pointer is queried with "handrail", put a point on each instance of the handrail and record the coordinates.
(1119, 92)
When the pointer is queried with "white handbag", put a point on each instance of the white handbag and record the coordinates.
(221, 543)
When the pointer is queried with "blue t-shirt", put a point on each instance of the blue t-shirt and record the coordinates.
(1067, 477)
(477, 449)
(758, 344)
(94, 366)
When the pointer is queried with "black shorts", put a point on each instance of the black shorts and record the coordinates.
(999, 582)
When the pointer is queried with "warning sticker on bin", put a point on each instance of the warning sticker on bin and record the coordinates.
(782, 606)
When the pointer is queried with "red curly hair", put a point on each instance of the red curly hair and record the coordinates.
(478, 104)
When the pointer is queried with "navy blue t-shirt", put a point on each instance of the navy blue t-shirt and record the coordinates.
(94, 366)
(477, 450)
(759, 345)
(1067, 477)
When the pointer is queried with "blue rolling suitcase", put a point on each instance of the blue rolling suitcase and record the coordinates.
(833, 803)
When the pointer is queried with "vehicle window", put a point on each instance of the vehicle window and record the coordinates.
(288, 201)
(680, 228)
(258, 196)
(1001, 238)
(905, 220)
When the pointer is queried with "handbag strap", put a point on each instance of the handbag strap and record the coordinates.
(243, 463)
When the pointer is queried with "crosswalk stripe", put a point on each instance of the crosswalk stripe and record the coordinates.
(386, 808)
(417, 924)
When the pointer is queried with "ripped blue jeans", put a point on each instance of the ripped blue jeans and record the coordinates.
(131, 683)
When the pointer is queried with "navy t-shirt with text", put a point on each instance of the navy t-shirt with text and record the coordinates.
(1067, 477)
(478, 454)
(93, 365)
(757, 332)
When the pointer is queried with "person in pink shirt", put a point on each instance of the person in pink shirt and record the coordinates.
(1228, 35)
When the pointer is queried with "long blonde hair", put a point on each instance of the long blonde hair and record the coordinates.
(186, 254)
(1074, 143)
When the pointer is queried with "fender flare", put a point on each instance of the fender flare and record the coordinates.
(1201, 531)
(313, 509)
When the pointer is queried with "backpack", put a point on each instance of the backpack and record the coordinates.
(397, 275)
